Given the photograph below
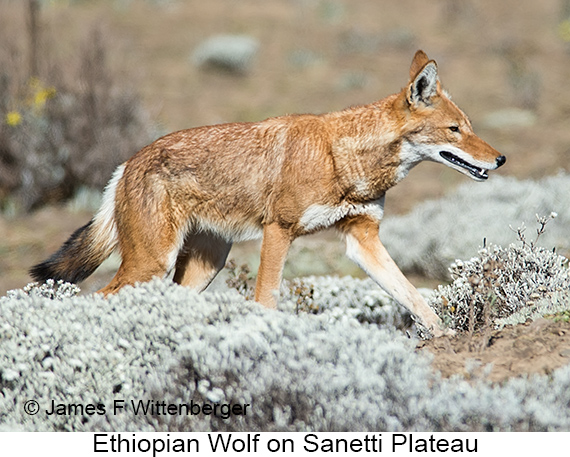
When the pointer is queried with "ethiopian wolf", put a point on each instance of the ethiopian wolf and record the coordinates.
(180, 202)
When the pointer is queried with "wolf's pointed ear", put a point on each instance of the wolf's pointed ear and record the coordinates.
(423, 85)
(419, 61)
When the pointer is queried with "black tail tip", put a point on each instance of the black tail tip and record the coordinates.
(72, 262)
(57, 269)
(43, 271)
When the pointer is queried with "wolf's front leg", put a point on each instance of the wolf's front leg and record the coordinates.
(363, 246)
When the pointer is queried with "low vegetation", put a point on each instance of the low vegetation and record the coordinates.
(499, 282)
(65, 124)
(339, 355)
(460, 223)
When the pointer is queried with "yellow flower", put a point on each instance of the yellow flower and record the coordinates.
(13, 118)
(564, 30)
(42, 95)
(39, 94)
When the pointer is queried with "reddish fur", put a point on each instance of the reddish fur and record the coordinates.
(183, 199)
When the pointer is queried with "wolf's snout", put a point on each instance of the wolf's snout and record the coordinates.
(501, 161)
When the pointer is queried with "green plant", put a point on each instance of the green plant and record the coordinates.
(561, 316)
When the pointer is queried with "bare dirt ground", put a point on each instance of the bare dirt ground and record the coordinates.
(537, 347)
(492, 55)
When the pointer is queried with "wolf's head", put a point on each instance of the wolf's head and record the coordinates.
(437, 130)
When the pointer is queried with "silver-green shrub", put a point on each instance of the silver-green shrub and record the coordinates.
(551, 305)
(50, 289)
(298, 371)
(231, 53)
(455, 226)
(500, 282)
(346, 297)
(67, 128)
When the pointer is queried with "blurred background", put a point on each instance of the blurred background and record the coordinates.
(85, 84)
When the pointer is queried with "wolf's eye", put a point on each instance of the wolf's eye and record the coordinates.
(454, 129)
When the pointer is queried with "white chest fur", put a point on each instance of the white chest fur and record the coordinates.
(319, 216)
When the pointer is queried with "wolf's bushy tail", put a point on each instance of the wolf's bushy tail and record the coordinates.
(88, 246)
(75, 260)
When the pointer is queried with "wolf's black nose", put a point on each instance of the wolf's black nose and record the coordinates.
(501, 160)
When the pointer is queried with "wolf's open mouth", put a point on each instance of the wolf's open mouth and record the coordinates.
(479, 173)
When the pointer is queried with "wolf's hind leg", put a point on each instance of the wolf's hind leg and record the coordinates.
(148, 241)
(200, 260)
(143, 261)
